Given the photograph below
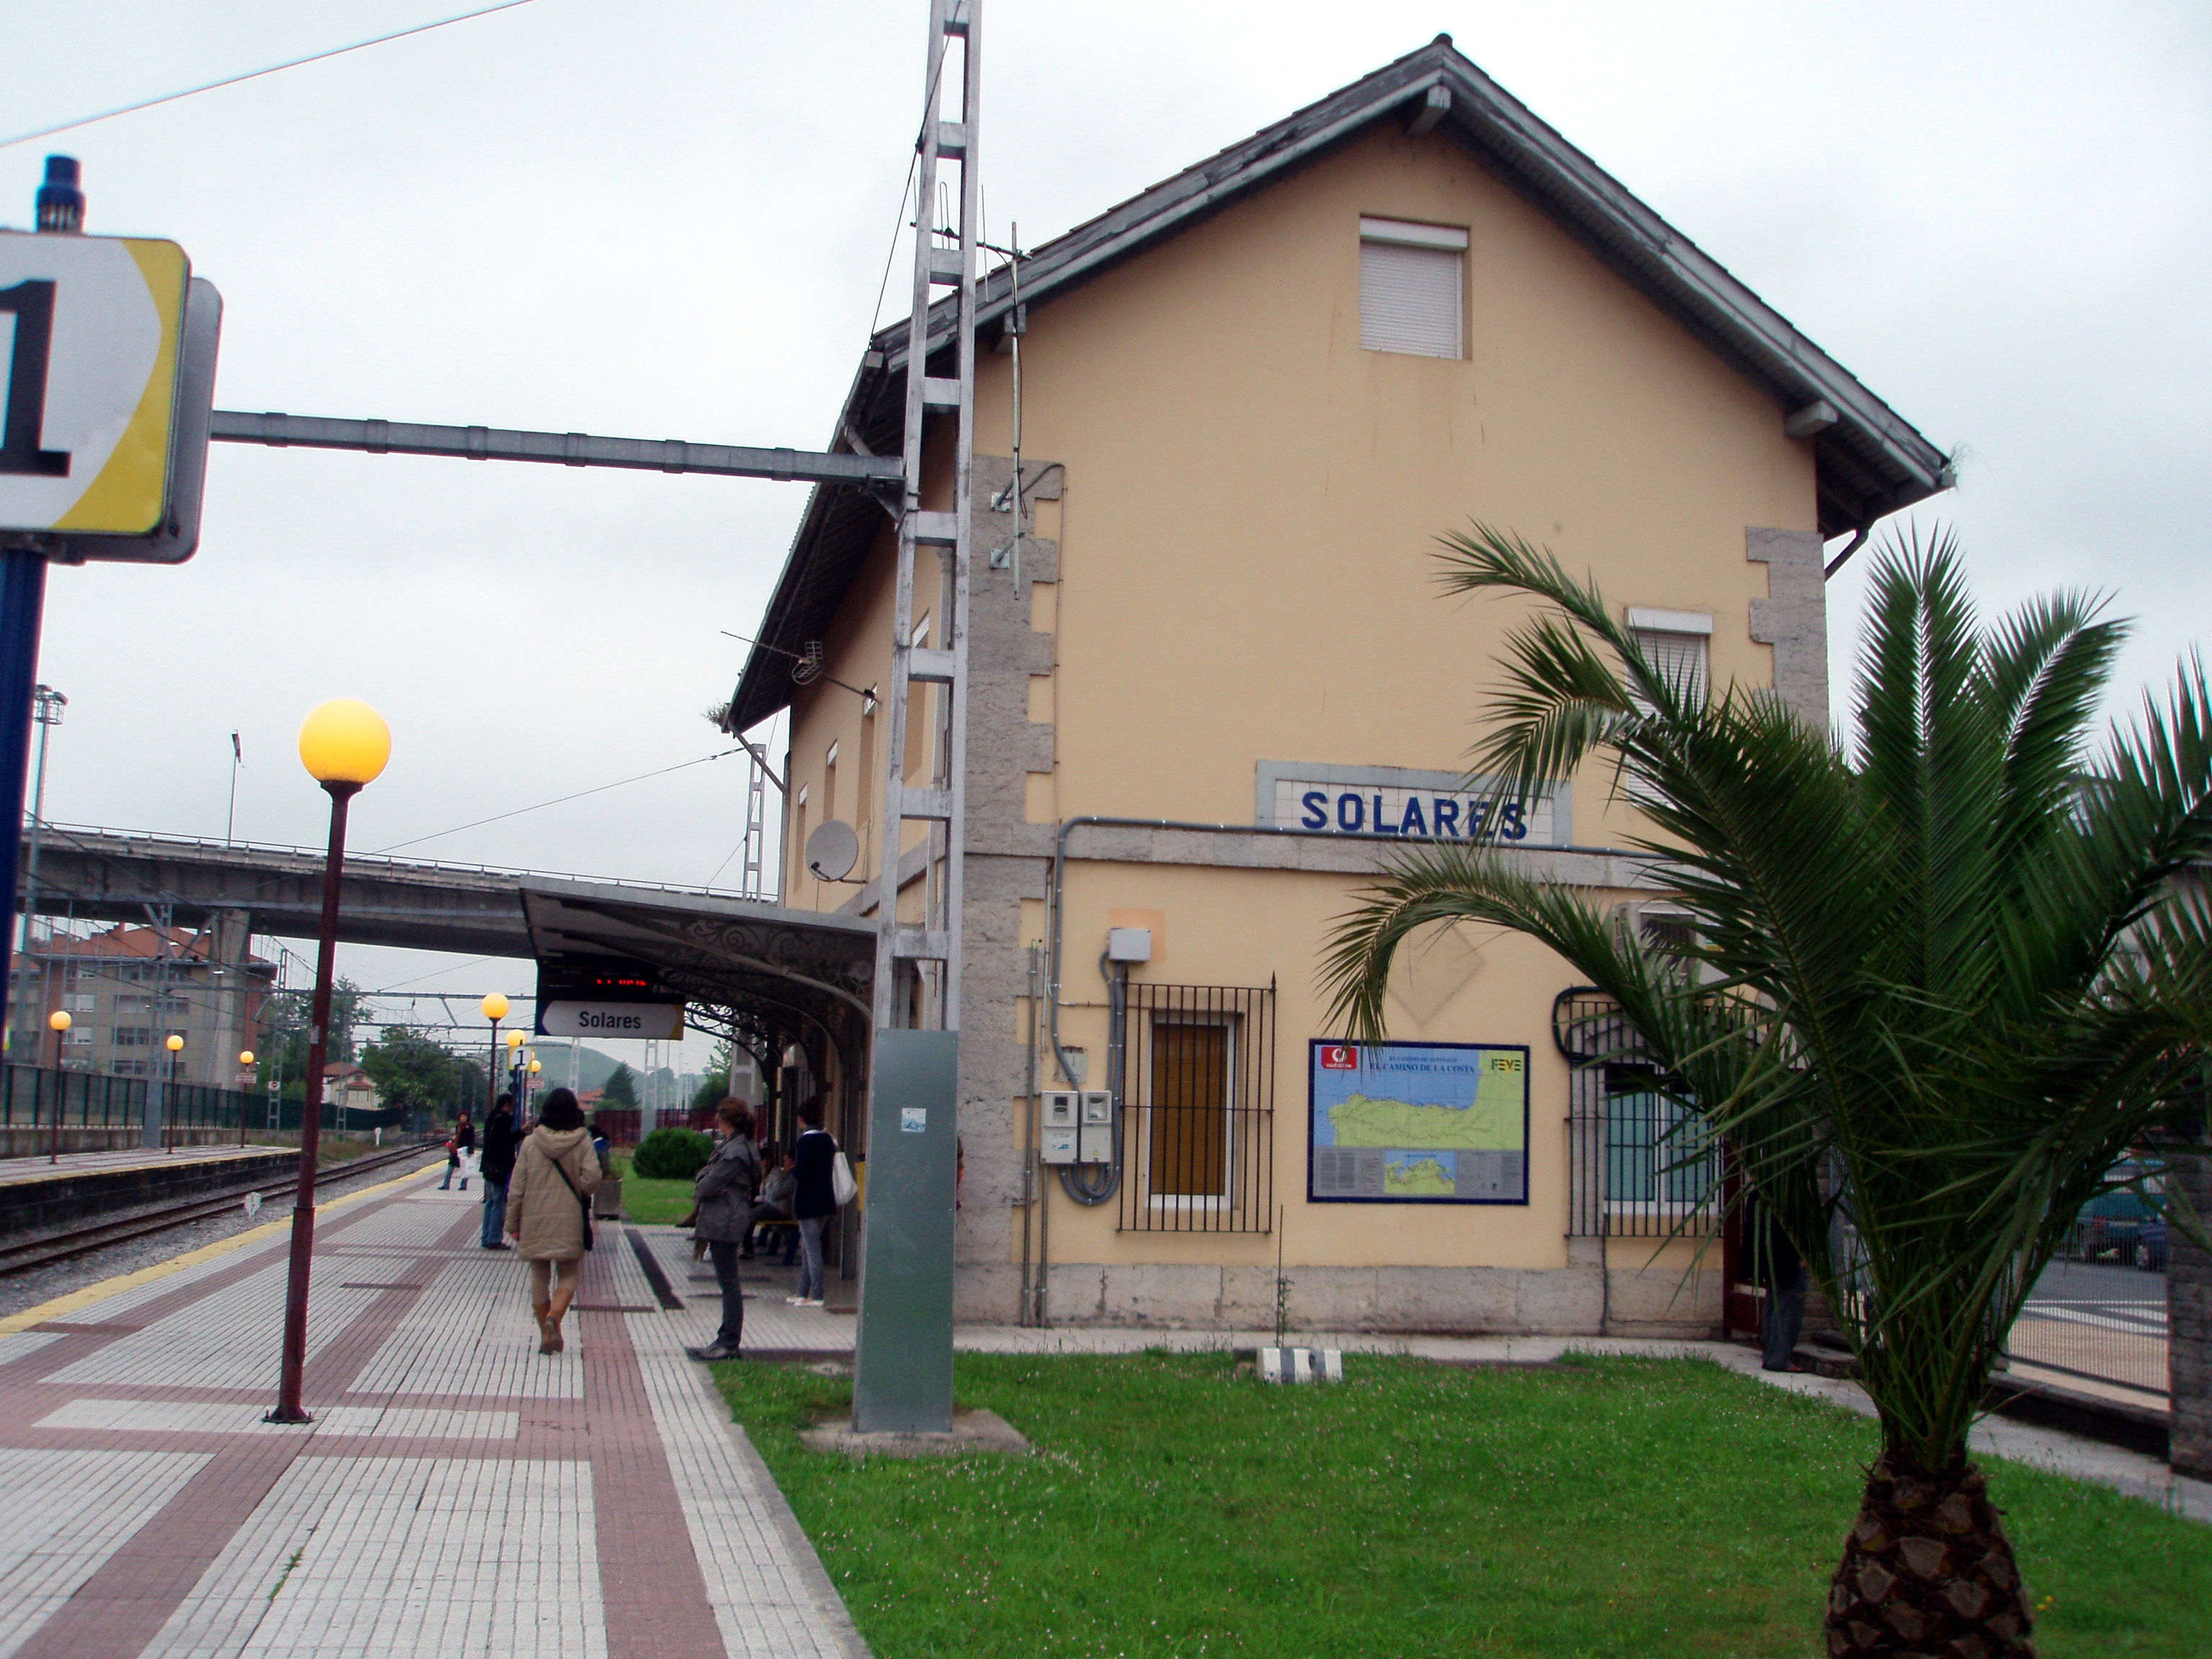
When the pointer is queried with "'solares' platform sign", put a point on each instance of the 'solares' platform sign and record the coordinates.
(661, 1020)
(91, 337)
(607, 999)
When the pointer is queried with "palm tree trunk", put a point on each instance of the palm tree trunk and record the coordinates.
(1928, 1570)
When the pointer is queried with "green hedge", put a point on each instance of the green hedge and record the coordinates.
(671, 1154)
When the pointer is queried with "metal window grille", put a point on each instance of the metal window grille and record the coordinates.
(1642, 1167)
(1198, 1109)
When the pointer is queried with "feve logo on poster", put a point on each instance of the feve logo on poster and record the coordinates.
(1339, 1057)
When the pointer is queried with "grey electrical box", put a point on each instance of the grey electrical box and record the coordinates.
(1128, 944)
(1094, 1142)
(1060, 1117)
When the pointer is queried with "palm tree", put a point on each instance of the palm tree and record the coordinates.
(1940, 985)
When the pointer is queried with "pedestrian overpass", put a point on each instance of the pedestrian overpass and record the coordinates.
(769, 979)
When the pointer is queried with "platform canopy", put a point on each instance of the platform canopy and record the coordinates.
(764, 976)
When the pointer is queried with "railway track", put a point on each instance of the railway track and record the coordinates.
(22, 1255)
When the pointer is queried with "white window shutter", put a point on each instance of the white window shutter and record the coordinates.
(1409, 299)
(1680, 658)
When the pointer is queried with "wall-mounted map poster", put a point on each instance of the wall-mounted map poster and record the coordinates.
(1417, 1123)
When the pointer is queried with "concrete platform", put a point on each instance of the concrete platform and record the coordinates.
(39, 1168)
(458, 1492)
(37, 1196)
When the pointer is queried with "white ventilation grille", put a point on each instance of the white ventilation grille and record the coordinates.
(1410, 288)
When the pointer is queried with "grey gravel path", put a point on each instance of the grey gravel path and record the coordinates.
(27, 1290)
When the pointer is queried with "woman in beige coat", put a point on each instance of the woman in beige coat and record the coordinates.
(556, 1173)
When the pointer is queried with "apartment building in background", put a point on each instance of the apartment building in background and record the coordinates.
(128, 989)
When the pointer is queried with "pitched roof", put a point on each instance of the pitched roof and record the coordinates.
(1870, 461)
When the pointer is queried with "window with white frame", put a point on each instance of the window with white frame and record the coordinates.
(1411, 288)
(1677, 644)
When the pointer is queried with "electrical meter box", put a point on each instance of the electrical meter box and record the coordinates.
(1061, 1111)
(1095, 1139)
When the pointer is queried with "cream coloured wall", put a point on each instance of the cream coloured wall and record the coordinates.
(1252, 498)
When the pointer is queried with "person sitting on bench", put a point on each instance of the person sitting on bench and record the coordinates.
(773, 1204)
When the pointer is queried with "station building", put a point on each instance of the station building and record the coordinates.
(1213, 687)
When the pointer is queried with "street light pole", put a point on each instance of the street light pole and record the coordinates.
(343, 745)
(175, 1043)
(494, 1010)
(60, 1020)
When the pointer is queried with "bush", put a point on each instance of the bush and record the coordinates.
(671, 1154)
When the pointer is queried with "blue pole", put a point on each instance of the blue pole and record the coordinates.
(22, 606)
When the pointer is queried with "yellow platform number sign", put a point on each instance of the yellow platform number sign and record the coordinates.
(89, 334)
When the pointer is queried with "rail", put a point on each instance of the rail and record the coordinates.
(22, 1255)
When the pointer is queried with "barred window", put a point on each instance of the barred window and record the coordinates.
(1198, 1111)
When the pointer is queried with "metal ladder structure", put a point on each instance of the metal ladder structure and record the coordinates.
(756, 829)
(944, 257)
(903, 1345)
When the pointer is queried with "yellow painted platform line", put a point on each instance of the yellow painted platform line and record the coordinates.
(61, 1306)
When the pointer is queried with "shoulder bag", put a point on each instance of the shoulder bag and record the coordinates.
(585, 1204)
(842, 1187)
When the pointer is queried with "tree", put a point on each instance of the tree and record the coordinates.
(1937, 987)
(621, 1087)
(412, 1071)
(288, 1015)
(714, 1087)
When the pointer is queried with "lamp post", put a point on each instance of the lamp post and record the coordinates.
(529, 1079)
(343, 745)
(175, 1043)
(60, 1021)
(515, 1064)
(494, 1010)
(245, 1065)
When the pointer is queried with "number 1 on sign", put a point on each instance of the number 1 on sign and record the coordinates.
(31, 304)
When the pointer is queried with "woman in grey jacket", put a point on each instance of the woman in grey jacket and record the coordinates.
(725, 1188)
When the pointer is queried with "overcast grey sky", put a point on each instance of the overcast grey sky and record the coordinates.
(670, 218)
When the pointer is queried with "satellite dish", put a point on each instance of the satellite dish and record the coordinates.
(832, 851)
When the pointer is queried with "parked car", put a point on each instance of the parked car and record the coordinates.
(2123, 1228)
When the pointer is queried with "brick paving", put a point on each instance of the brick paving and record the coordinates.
(459, 1492)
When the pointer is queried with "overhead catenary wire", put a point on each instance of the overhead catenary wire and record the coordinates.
(255, 75)
(559, 800)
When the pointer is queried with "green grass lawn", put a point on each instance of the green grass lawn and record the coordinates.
(1607, 1507)
(648, 1200)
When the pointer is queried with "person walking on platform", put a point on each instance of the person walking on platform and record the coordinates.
(458, 1149)
(548, 1209)
(813, 1197)
(725, 1188)
(497, 1166)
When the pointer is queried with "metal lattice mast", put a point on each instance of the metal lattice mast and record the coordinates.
(944, 257)
(756, 830)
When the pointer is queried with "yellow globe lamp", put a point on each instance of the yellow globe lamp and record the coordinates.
(59, 1019)
(535, 1067)
(494, 1008)
(344, 743)
(514, 1039)
(246, 1057)
(172, 1042)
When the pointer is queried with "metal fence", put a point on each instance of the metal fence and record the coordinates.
(2096, 1320)
(1196, 1069)
(37, 1096)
